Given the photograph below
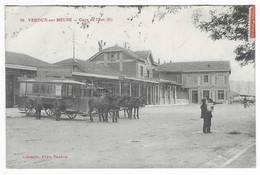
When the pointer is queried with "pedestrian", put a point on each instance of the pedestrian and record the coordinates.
(206, 115)
(245, 102)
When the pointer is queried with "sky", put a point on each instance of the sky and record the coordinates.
(174, 38)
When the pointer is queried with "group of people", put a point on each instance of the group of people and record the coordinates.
(206, 114)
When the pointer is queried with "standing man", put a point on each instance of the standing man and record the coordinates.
(245, 102)
(206, 115)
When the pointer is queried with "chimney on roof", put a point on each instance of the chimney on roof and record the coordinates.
(100, 45)
(159, 62)
(127, 45)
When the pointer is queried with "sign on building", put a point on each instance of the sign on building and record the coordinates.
(54, 71)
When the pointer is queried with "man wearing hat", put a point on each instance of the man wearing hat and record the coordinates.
(206, 115)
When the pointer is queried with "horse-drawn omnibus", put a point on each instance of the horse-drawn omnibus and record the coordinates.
(56, 96)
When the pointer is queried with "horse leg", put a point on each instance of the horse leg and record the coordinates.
(130, 112)
(137, 112)
(113, 117)
(134, 111)
(39, 113)
(99, 115)
(102, 113)
(117, 114)
(90, 114)
(106, 116)
(36, 114)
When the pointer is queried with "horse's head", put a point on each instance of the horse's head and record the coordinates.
(112, 98)
(142, 101)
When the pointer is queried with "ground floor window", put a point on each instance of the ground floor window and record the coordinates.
(221, 94)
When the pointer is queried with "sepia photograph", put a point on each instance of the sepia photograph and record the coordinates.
(120, 86)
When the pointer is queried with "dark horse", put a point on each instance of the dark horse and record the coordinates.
(139, 102)
(117, 104)
(102, 104)
(34, 103)
(134, 104)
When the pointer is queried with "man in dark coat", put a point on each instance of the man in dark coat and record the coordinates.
(206, 115)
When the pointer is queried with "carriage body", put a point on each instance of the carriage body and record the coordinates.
(74, 95)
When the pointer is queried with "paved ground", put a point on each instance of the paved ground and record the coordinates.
(163, 137)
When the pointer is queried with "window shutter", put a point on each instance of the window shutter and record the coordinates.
(201, 79)
(210, 79)
(216, 79)
(195, 80)
(226, 79)
(184, 80)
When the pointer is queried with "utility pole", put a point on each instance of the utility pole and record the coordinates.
(73, 45)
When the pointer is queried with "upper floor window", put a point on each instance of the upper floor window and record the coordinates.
(148, 73)
(142, 70)
(113, 56)
(184, 80)
(205, 78)
(220, 79)
(195, 80)
(190, 80)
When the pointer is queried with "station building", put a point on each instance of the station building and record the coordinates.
(202, 79)
(18, 65)
(135, 73)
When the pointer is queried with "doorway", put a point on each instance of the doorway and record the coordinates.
(194, 97)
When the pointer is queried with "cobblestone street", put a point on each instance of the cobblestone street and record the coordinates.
(163, 137)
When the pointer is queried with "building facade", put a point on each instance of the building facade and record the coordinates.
(141, 74)
(18, 65)
(134, 73)
(201, 79)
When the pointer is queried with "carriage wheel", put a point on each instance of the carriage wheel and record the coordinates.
(56, 113)
(111, 113)
(72, 115)
(29, 109)
(49, 112)
(30, 112)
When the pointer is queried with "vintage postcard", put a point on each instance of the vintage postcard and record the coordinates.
(130, 86)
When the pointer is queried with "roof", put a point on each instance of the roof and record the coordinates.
(169, 82)
(50, 80)
(90, 67)
(198, 66)
(23, 59)
(98, 70)
(139, 55)
(145, 54)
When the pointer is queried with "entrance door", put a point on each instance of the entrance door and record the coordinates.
(9, 91)
(194, 97)
(205, 94)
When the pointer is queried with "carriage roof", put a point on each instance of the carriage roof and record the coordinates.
(50, 80)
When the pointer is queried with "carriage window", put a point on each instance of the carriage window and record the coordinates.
(22, 89)
(35, 88)
(29, 88)
(58, 89)
(88, 93)
(82, 93)
(77, 90)
(69, 90)
(43, 89)
(64, 90)
(48, 89)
